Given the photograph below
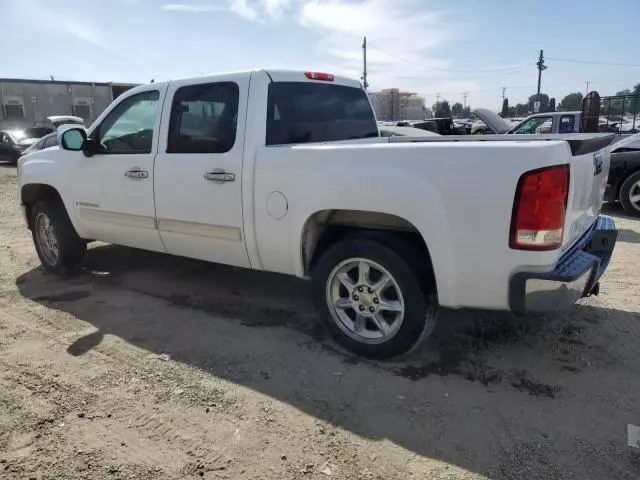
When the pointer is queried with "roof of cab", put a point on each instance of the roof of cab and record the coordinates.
(275, 75)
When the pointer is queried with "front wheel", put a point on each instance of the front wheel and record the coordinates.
(630, 195)
(371, 301)
(59, 247)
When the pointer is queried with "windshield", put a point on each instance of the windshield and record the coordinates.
(300, 112)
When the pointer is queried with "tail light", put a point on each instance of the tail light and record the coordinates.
(327, 77)
(539, 209)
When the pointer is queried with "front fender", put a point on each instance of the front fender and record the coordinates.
(45, 168)
(390, 192)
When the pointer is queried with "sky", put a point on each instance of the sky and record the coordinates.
(423, 46)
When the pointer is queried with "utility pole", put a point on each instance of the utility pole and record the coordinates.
(541, 67)
(586, 92)
(364, 58)
(504, 90)
(465, 95)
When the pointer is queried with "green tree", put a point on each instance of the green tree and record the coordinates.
(442, 109)
(505, 108)
(512, 112)
(552, 104)
(457, 109)
(544, 102)
(522, 110)
(635, 102)
(466, 112)
(571, 102)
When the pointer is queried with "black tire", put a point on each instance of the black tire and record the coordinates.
(626, 191)
(71, 248)
(415, 284)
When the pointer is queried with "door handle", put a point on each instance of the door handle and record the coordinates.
(136, 173)
(219, 175)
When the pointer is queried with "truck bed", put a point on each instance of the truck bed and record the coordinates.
(579, 143)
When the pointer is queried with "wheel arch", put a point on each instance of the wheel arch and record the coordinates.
(324, 228)
(35, 192)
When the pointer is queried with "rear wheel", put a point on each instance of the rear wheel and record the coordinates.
(371, 300)
(59, 247)
(630, 194)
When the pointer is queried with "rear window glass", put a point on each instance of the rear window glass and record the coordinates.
(301, 112)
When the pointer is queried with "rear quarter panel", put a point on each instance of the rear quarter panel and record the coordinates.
(459, 196)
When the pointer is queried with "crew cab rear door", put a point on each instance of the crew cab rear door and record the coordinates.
(198, 169)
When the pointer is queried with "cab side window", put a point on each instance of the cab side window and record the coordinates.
(204, 118)
(129, 126)
(566, 124)
(50, 141)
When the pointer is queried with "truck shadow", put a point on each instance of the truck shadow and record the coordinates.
(493, 393)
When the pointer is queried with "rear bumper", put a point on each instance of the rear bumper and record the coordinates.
(575, 276)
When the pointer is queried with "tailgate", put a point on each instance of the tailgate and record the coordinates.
(589, 169)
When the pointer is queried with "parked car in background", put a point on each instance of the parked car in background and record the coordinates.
(60, 120)
(13, 143)
(16, 143)
(623, 184)
(539, 123)
(47, 141)
(395, 131)
(443, 126)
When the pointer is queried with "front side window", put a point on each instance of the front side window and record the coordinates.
(204, 118)
(129, 126)
(299, 112)
(535, 125)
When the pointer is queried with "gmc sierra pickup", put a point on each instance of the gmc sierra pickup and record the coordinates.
(286, 172)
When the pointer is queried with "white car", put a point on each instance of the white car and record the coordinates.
(286, 172)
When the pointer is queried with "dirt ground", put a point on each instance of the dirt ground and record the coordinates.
(149, 366)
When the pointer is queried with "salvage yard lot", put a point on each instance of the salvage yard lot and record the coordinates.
(149, 366)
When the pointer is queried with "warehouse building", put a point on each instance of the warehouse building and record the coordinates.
(27, 103)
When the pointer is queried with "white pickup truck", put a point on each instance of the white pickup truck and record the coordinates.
(286, 172)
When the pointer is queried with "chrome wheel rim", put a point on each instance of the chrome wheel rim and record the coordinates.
(634, 195)
(365, 300)
(46, 237)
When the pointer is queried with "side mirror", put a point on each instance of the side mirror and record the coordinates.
(72, 139)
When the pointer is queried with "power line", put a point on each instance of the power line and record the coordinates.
(593, 62)
(517, 67)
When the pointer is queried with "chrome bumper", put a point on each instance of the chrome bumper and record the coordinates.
(575, 276)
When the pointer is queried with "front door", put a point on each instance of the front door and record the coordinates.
(198, 170)
(114, 188)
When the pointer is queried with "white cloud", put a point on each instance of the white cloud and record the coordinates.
(186, 7)
(275, 8)
(243, 9)
(411, 31)
(55, 22)
(253, 10)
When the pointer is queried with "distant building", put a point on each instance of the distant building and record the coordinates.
(27, 103)
(391, 104)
